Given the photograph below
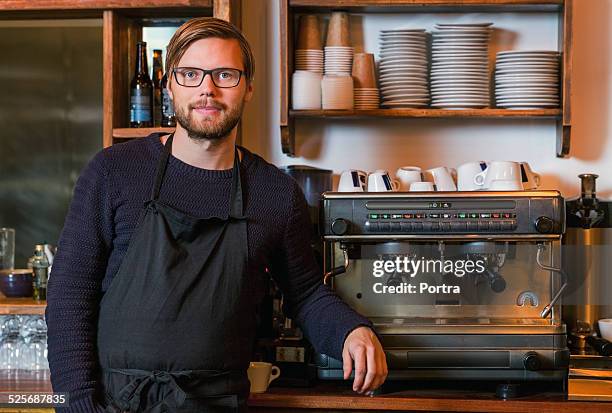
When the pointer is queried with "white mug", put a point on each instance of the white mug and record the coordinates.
(407, 175)
(499, 170)
(443, 179)
(422, 187)
(352, 180)
(505, 185)
(466, 173)
(531, 180)
(261, 375)
(380, 181)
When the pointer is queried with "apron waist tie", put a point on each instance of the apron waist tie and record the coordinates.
(129, 397)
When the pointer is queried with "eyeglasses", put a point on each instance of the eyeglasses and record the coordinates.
(222, 77)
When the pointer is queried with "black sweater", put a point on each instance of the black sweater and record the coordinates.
(108, 199)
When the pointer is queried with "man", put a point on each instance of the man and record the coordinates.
(161, 262)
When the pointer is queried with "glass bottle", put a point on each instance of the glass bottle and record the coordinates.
(158, 73)
(141, 91)
(40, 266)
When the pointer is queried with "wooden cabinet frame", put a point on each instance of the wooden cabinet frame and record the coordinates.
(122, 28)
(289, 9)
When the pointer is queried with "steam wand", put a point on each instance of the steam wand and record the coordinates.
(546, 311)
(338, 270)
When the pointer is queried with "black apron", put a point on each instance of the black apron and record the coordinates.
(177, 324)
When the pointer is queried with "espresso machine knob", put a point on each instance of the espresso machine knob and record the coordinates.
(532, 361)
(339, 226)
(544, 225)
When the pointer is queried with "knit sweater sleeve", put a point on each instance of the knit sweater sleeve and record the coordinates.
(74, 289)
(325, 319)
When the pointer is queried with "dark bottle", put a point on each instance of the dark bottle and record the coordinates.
(158, 73)
(167, 114)
(141, 91)
(40, 267)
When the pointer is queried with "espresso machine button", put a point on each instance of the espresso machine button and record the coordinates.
(458, 226)
(435, 226)
(384, 227)
(417, 226)
(340, 226)
(472, 226)
(506, 226)
(495, 225)
(544, 225)
(532, 361)
(395, 227)
(406, 226)
(371, 226)
(445, 226)
(427, 226)
(483, 226)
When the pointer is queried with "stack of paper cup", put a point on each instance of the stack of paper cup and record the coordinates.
(338, 60)
(338, 49)
(309, 52)
(366, 94)
(337, 92)
(306, 90)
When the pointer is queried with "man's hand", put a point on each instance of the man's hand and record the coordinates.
(363, 346)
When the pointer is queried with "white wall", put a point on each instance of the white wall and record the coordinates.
(388, 144)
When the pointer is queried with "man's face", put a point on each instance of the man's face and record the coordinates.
(208, 112)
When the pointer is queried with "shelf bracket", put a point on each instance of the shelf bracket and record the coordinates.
(564, 133)
(288, 138)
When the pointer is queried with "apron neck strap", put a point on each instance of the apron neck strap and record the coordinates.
(236, 202)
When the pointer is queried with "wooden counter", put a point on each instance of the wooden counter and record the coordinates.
(339, 398)
(329, 398)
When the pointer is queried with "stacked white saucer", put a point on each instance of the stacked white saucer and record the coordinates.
(527, 79)
(460, 66)
(306, 90)
(338, 60)
(337, 91)
(309, 59)
(403, 68)
(366, 98)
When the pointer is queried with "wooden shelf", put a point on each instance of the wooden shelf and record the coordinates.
(428, 113)
(33, 5)
(426, 6)
(290, 9)
(130, 133)
(21, 306)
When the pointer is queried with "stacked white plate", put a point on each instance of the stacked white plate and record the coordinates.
(527, 79)
(338, 60)
(460, 66)
(306, 90)
(403, 68)
(337, 91)
(309, 59)
(366, 98)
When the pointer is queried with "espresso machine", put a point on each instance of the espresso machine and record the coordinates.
(403, 261)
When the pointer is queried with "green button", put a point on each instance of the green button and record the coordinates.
(462, 215)
(373, 216)
(385, 216)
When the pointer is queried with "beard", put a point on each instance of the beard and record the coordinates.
(205, 129)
